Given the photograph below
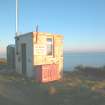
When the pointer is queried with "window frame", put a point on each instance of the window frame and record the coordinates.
(51, 45)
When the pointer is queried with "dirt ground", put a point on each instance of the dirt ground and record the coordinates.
(74, 89)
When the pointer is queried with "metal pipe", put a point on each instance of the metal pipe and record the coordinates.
(17, 17)
(37, 33)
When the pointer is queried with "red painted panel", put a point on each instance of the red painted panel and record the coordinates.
(47, 73)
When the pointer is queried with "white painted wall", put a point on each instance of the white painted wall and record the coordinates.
(25, 39)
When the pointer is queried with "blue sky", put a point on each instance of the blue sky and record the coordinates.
(82, 22)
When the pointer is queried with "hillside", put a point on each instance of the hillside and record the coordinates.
(74, 89)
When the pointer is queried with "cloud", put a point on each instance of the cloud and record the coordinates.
(2, 52)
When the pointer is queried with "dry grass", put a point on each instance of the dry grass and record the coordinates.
(74, 89)
(3, 61)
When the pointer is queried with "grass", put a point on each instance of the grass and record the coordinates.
(3, 61)
(76, 88)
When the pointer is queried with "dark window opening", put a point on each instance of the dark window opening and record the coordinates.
(49, 46)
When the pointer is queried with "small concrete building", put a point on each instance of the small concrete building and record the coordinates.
(38, 53)
(11, 55)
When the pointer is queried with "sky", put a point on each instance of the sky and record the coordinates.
(82, 22)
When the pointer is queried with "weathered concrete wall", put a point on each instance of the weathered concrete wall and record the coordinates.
(11, 56)
(41, 57)
(37, 52)
(24, 39)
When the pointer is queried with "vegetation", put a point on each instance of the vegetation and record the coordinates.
(94, 72)
(3, 61)
(80, 87)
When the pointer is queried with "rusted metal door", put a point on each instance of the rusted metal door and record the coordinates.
(23, 52)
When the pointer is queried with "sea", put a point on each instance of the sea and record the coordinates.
(92, 59)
